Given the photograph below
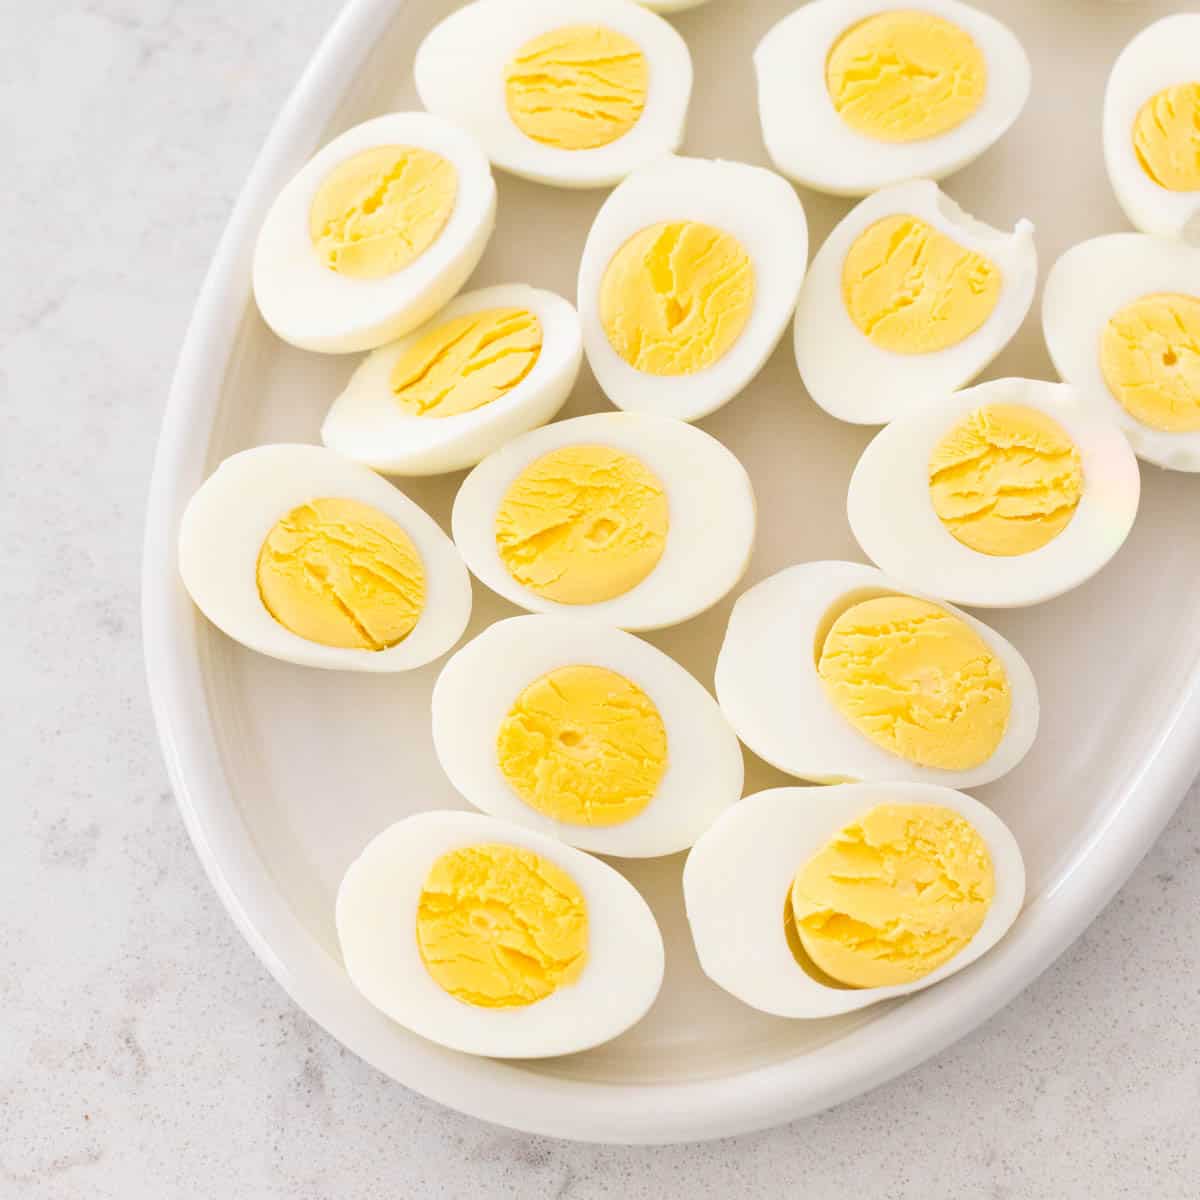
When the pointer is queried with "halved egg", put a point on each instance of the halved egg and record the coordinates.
(671, 6)
(689, 276)
(1005, 494)
(575, 93)
(623, 518)
(809, 902)
(375, 233)
(854, 95)
(300, 554)
(491, 939)
(836, 672)
(492, 364)
(586, 734)
(908, 298)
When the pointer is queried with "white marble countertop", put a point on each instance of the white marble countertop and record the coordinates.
(144, 1052)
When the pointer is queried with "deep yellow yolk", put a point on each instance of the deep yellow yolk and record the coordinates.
(1006, 479)
(1150, 358)
(676, 297)
(913, 290)
(917, 680)
(583, 745)
(340, 573)
(1166, 137)
(582, 524)
(577, 88)
(378, 211)
(894, 895)
(468, 362)
(500, 926)
(905, 75)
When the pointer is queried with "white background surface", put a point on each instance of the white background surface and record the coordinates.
(143, 1050)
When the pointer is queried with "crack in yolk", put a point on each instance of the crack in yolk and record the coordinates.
(1166, 137)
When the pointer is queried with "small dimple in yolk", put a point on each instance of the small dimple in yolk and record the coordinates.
(1166, 137)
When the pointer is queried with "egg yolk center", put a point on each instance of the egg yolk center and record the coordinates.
(1166, 137)
(676, 296)
(340, 573)
(582, 524)
(912, 289)
(1150, 359)
(583, 745)
(917, 680)
(378, 211)
(1005, 480)
(577, 88)
(893, 895)
(905, 75)
(500, 926)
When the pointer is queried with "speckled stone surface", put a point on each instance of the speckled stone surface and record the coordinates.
(144, 1052)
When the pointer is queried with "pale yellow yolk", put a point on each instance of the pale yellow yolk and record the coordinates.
(378, 211)
(917, 680)
(468, 362)
(894, 895)
(582, 524)
(500, 926)
(1150, 358)
(1166, 137)
(577, 88)
(583, 745)
(341, 573)
(905, 75)
(676, 297)
(913, 290)
(1006, 479)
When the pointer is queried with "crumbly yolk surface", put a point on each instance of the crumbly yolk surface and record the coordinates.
(1166, 137)
(584, 745)
(905, 75)
(378, 211)
(341, 573)
(894, 895)
(463, 364)
(676, 296)
(912, 289)
(582, 524)
(577, 88)
(917, 680)
(1006, 479)
(1150, 359)
(500, 926)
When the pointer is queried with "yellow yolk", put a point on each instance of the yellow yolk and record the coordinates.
(894, 895)
(378, 211)
(501, 927)
(468, 362)
(917, 680)
(341, 573)
(1150, 358)
(582, 524)
(676, 297)
(904, 75)
(577, 88)
(913, 290)
(1166, 137)
(1006, 479)
(583, 745)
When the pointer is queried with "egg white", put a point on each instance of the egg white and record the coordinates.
(671, 6)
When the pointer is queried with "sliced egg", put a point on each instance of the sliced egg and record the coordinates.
(671, 6)
(1005, 494)
(586, 734)
(836, 672)
(854, 95)
(492, 939)
(689, 276)
(908, 298)
(300, 554)
(575, 93)
(1121, 316)
(623, 518)
(809, 902)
